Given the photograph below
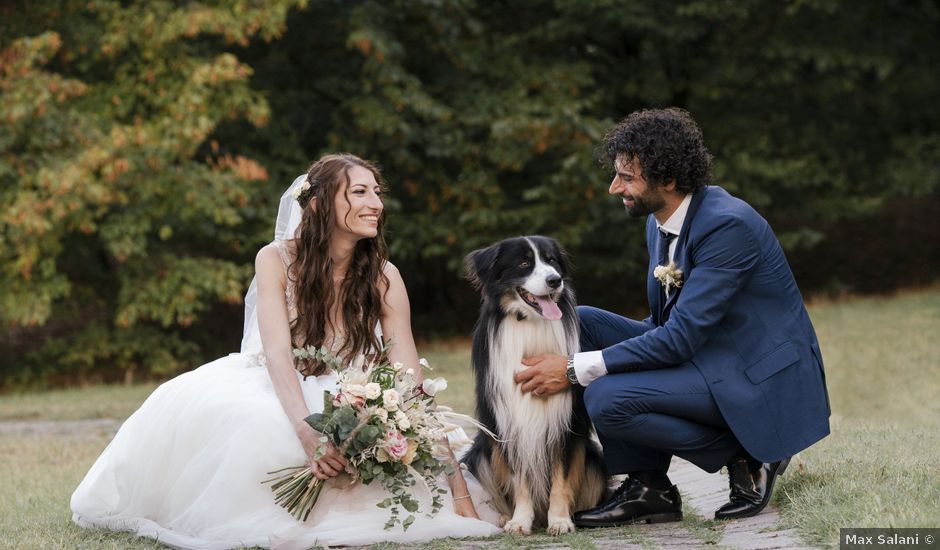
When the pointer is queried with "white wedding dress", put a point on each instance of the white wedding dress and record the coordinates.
(187, 469)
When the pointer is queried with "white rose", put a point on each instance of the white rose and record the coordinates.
(382, 414)
(373, 390)
(402, 420)
(391, 399)
(433, 386)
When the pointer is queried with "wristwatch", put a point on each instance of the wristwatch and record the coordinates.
(570, 373)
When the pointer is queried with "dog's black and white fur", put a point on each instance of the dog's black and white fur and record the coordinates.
(545, 464)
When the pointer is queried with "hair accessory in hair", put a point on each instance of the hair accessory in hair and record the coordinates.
(301, 189)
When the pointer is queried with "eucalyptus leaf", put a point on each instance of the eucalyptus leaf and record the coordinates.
(409, 504)
(368, 436)
(346, 421)
(318, 421)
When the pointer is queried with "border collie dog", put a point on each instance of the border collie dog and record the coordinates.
(544, 465)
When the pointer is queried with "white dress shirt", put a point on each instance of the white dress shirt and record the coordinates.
(589, 365)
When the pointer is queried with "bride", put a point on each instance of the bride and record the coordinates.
(187, 467)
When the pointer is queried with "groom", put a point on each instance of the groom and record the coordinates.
(726, 370)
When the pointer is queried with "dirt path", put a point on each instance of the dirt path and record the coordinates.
(702, 493)
(58, 427)
(706, 492)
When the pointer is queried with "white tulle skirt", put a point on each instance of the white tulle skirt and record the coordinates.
(186, 469)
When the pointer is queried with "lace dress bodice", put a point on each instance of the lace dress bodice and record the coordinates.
(290, 297)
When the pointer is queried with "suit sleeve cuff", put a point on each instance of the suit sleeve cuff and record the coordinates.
(589, 366)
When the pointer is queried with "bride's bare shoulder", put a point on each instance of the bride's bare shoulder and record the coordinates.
(391, 272)
(393, 280)
(269, 262)
(277, 250)
(267, 254)
(389, 269)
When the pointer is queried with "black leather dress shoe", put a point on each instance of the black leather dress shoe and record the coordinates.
(751, 487)
(634, 502)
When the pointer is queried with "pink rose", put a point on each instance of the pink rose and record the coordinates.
(397, 445)
(343, 398)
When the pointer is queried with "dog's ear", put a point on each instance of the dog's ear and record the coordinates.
(479, 263)
(564, 259)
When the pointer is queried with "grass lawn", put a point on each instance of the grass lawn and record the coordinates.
(879, 467)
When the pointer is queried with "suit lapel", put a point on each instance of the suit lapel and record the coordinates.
(653, 289)
(682, 259)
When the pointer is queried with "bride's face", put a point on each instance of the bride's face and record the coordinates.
(359, 207)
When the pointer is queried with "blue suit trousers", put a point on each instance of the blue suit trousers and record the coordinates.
(645, 418)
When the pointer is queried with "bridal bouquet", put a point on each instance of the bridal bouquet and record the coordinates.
(388, 428)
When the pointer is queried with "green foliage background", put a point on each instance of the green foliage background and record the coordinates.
(143, 146)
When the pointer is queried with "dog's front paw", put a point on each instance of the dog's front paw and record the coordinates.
(503, 518)
(518, 527)
(559, 526)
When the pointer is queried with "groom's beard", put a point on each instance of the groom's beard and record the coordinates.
(643, 205)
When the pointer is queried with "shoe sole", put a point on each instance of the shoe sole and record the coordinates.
(649, 518)
(782, 468)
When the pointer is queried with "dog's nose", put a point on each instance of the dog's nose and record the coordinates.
(553, 281)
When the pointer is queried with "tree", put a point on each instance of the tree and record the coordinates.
(487, 115)
(119, 216)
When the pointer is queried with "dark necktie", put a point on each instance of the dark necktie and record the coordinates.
(664, 240)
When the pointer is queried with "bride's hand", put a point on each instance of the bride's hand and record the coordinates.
(309, 438)
(463, 503)
(331, 464)
(464, 507)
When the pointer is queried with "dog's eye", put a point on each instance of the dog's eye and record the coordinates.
(550, 259)
(524, 263)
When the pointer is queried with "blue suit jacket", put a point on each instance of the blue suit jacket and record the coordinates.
(739, 318)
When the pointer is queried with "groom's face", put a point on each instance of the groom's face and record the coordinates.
(639, 198)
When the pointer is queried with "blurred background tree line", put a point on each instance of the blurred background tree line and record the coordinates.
(144, 145)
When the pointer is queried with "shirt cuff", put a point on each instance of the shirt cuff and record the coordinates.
(589, 366)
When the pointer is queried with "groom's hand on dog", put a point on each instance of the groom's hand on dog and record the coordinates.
(545, 374)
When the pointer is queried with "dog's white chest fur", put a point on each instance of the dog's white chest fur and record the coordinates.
(530, 425)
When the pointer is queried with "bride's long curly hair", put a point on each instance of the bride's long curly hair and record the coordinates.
(362, 290)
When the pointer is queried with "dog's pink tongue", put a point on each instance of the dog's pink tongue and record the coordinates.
(549, 308)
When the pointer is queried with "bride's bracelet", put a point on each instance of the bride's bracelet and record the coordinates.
(463, 497)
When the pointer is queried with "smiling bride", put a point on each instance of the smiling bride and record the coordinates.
(187, 467)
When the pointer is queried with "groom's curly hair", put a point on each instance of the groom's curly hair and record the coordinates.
(668, 144)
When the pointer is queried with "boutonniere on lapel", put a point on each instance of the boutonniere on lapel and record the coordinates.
(670, 276)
